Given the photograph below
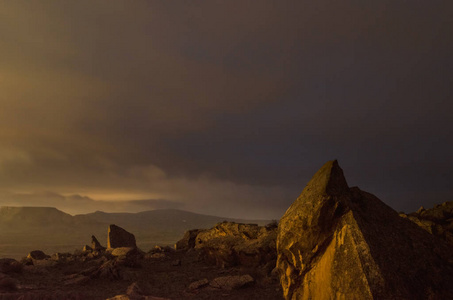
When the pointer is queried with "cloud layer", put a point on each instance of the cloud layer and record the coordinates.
(227, 107)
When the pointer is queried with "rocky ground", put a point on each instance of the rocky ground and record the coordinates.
(162, 273)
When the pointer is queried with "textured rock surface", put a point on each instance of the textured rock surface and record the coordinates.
(135, 292)
(188, 240)
(198, 284)
(118, 237)
(437, 220)
(340, 243)
(232, 282)
(228, 244)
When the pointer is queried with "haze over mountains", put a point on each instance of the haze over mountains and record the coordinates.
(23, 229)
(78, 204)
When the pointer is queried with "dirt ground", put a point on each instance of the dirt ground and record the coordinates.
(158, 277)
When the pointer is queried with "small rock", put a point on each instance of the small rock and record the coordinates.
(44, 263)
(232, 282)
(155, 256)
(87, 248)
(126, 251)
(80, 279)
(134, 290)
(61, 256)
(89, 271)
(198, 284)
(108, 270)
(176, 263)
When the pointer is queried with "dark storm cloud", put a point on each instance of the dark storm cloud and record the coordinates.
(220, 104)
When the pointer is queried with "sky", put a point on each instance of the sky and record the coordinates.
(223, 107)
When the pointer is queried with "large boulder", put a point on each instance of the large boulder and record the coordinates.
(118, 237)
(228, 244)
(37, 255)
(340, 243)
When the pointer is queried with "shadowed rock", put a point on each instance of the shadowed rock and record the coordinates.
(339, 243)
(9, 265)
(95, 245)
(37, 255)
(188, 240)
(232, 282)
(437, 220)
(136, 292)
(118, 237)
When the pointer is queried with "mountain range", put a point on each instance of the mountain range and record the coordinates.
(23, 229)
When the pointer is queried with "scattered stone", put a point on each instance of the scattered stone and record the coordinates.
(87, 248)
(78, 280)
(136, 292)
(62, 257)
(127, 297)
(176, 263)
(155, 256)
(89, 271)
(232, 282)
(95, 245)
(37, 255)
(108, 270)
(9, 265)
(8, 284)
(118, 237)
(45, 263)
(336, 242)
(124, 251)
(198, 284)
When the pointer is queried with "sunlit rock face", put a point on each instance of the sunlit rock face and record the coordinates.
(336, 242)
(230, 244)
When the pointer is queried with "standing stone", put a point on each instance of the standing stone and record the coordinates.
(95, 245)
(340, 243)
(118, 237)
